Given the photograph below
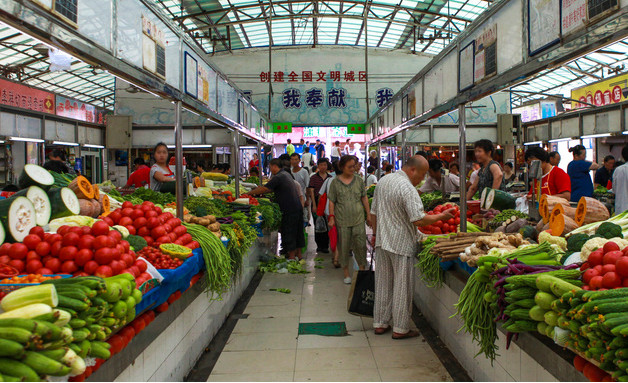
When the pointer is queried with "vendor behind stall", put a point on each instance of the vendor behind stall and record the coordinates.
(604, 175)
(141, 176)
(490, 174)
(555, 181)
(436, 178)
(160, 173)
(579, 171)
(57, 162)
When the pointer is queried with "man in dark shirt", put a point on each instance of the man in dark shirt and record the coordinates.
(287, 196)
(605, 173)
(320, 149)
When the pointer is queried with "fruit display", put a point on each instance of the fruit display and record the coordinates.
(444, 227)
(158, 259)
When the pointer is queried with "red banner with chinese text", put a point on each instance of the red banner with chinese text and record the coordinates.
(22, 96)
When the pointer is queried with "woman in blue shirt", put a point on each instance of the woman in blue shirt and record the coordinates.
(579, 171)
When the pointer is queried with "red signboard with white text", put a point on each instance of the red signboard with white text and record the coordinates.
(22, 96)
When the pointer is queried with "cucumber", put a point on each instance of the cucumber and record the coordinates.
(551, 318)
(537, 313)
(11, 348)
(57, 354)
(29, 295)
(9, 378)
(74, 294)
(35, 175)
(16, 334)
(64, 203)
(79, 335)
(86, 348)
(610, 307)
(606, 294)
(18, 217)
(45, 330)
(77, 323)
(41, 202)
(73, 304)
(98, 350)
(89, 293)
(544, 300)
(499, 200)
(18, 369)
(44, 365)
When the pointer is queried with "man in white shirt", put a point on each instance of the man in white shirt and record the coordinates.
(370, 178)
(307, 159)
(475, 174)
(620, 184)
(347, 149)
(436, 179)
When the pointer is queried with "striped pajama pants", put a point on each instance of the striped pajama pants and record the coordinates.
(394, 288)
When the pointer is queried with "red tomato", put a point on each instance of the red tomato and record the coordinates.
(115, 234)
(100, 228)
(83, 256)
(86, 242)
(610, 246)
(151, 214)
(109, 221)
(104, 256)
(148, 203)
(44, 271)
(100, 242)
(590, 273)
(90, 267)
(180, 230)
(67, 253)
(596, 257)
(153, 222)
(585, 266)
(163, 239)
(32, 255)
(68, 267)
(70, 239)
(167, 216)
(608, 269)
(149, 240)
(126, 246)
(85, 230)
(127, 259)
(158, 232)
(137, 213)
(193, 245)
(145, 208)
(33, 265)
(4, 259)
(75, 229)
(579, 363)
(31, 241)
(18, 264)
(596, 282)
(612, 257)
(622, 267)
(54, 238)
(187, 238)
(5, 249)
(140, 222)
(63, 230)
(445, 228)
(127, 204)
(611, 280)
(115, 216)
(141, 265)
(43, 249)
(626, 251)
(117, 266)
(125, 221)
(18, 251)
(53, 264)
(143, 231)
(134, 271)
(131, 229)
(103, 271)
(625, 283)
(38, 231)
(174, 222)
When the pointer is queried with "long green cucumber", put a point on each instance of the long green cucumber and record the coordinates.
(16, 334)
(590, 306)
(606, 294)
(99, 351)
(73, 304)
(44, 365)
(56, 354)
(18, 369)
(11, 348)
(74, 294)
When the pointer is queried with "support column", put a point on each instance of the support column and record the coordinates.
(178, 153)
(462, 145)
(403, 148)
(379, 159)
(236, 160)
(259, 167)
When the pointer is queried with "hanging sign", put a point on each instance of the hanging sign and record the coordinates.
(356, 129)
(22, 96)
(573, 16)
(465, 69)
(153, 47)
(78, 110)
(611, 91)
(543, 25)
(282, 127)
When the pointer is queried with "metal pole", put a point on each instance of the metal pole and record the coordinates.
(379, 159)
(259, 167)
(236, 158)
(178, 153)
(403, 148)
(462, 145)
(366, 62)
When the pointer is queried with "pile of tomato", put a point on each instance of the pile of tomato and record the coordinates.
(159, 259)
(151, 223)
(30, 278)
(444, 227)
(77, 250)
(606, 268)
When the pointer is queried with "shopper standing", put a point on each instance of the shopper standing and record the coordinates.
(490, 175)
(370, 178)
(604, 175)
(579, 171)
(289, 147)
(349, 211)
(316, 182)
(287, 196)
(160, 173)
(320, 150)
(335, 152)
(620, 184)
(473, 176)
(373, 160)
(254, 162)
(397, 211)
(302, 177)
(307, 159)
(347, 149)
(438, 181)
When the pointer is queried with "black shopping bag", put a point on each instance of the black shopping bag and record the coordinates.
(362, 294)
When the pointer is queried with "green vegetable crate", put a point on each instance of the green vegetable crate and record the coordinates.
(8, 287)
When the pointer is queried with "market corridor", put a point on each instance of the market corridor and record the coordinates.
(265, 346)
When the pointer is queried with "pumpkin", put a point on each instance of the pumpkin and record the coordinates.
(590, 210)
(96, 192)
(547, 203)
(560, 223)
(86, 207)
(82, 188)
(106, 204)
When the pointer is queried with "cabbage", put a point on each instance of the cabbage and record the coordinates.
(75, 220)
(204, 192)
(123, 230)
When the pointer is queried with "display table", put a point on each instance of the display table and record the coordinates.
(169, 347)
(531, 358)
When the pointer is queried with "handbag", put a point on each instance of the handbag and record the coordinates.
(320, 226)
(362, 294)
(322, 202)
(333, 238)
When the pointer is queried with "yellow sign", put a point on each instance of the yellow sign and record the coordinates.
(606, 92)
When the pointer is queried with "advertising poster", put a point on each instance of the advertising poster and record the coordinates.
(611, 91)
(466, 66)
(78, 110)
(21, 96)
(543, 24)
(191, 75)
(573, 16)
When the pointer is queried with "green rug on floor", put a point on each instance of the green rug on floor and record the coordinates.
(323, 328)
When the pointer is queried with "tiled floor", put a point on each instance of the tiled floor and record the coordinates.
(266, 345)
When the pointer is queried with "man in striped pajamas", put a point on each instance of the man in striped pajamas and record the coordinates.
(397, 211)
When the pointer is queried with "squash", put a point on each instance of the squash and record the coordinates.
(547, 203)
(96, 192)
(96, 208)
(590, 210)
(86, 207)
(82, 187)
(560, 223)
(105, 203)
(197, 182)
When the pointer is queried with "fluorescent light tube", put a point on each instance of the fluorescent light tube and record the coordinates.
(597, 135)
(533, 143)
(26, 139)
(190, 146)
(560, 139)
(65, 143)
(93, 146)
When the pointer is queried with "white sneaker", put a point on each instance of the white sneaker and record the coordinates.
(347, 280)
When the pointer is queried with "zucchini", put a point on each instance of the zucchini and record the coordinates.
(43, 329)
(18, 369)
(606, 294)
(41, 202)
(11, 348)
(537, 313)
(64, 203)
(46, 294)
(499, 200)
(32, 311)
(551, 318)
(44, 365)
(35, 175)
(16, 334)
(544, 300)
(18, 217)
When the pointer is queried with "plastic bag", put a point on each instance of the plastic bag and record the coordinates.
(320, 225)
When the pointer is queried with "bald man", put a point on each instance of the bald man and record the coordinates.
(397, 212)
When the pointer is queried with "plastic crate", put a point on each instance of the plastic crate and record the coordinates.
(8, 287)
(149, 300)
